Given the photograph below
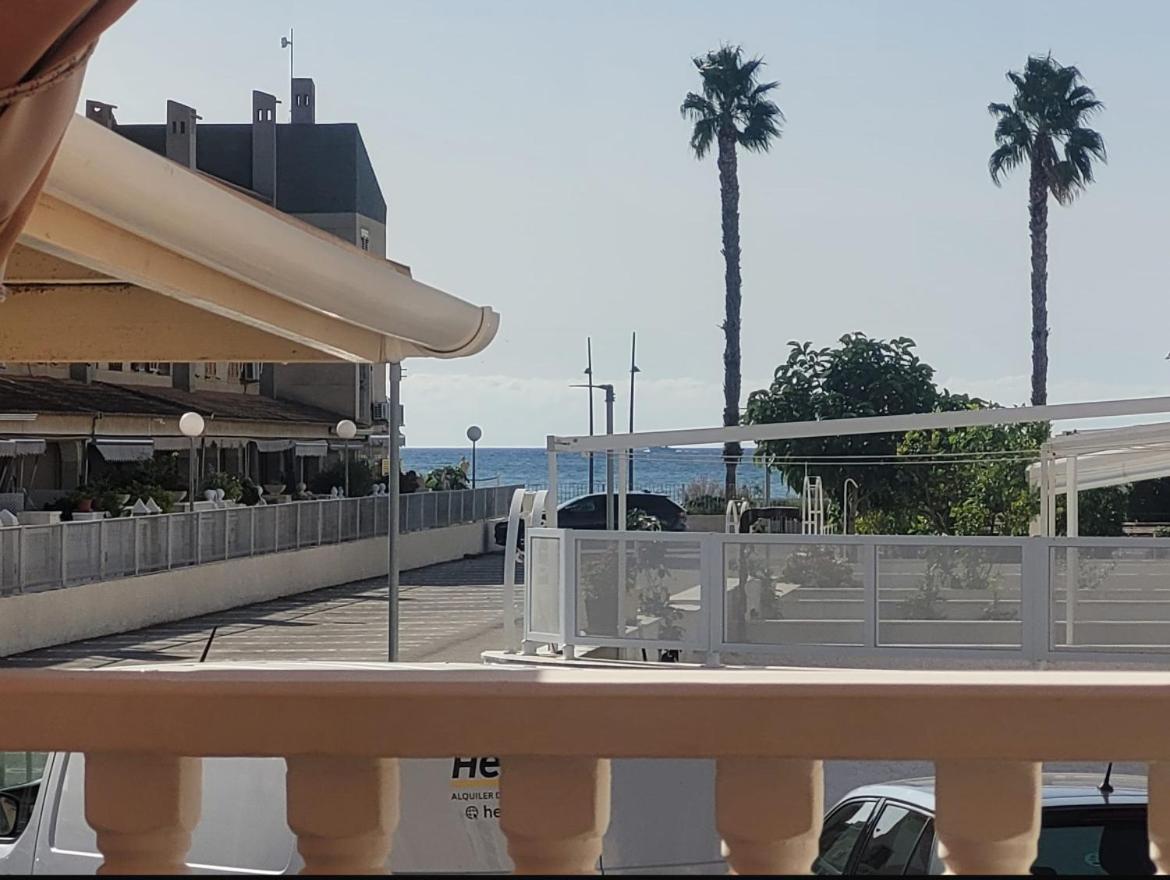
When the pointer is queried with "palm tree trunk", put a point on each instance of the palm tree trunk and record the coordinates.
(1038, 227)
(729, 194)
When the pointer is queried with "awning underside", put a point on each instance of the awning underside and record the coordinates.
(129, 256)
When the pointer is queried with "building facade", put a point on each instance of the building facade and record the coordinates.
(268, 421)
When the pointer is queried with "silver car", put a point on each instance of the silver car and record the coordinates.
(1087, 828)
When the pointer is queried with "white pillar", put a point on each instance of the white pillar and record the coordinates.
(343, 811)
(554, 812)
(768, 812)
(550, 514)
(143, 809)
(987, 815)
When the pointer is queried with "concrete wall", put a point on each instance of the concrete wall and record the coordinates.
(57, 617)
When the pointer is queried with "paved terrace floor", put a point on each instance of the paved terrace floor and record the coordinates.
(450, 612)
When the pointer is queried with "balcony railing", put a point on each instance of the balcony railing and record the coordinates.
(341, 731)
(36, 558)
(1023, 599)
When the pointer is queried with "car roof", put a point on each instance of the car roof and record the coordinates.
(1057, 790)
(653, 495)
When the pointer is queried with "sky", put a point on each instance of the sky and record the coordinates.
(533, 159)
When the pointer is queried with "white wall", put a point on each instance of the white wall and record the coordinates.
(57, 617)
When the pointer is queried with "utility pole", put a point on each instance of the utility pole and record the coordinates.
(589, 373)
(287, 43)
(633, 371)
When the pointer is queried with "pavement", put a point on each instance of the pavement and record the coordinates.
(449, 612)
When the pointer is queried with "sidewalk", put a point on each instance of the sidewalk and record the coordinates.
(450, 612)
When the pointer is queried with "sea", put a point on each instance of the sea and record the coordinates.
(665, 471)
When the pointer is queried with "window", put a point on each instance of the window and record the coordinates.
(365, 237)
(840, 835)
(1110, 840)
(923, 853)
(891, 843)
(20, 782)
(584, 505)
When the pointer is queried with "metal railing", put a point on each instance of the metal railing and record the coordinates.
(800, 596)
(49, 557)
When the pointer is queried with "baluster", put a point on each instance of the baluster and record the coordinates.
(343, 812)
(143, 809)
(987, 814)
(554, 812)
(768, 812)
(1158, 816)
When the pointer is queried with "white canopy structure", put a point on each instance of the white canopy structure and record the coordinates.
(1079, 460)
(128, 255)
(1082, 460)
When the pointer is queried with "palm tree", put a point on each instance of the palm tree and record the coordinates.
(733, 110)
(1044, 125)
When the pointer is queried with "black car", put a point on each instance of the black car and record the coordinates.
(588, 512)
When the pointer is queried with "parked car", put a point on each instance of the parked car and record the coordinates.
(588, 512)
(1084, 829)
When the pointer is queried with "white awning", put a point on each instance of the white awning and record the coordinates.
(311, 448)
(131, 256)
(173, 444)
(124, 450)
(21, 446)
(273, 445)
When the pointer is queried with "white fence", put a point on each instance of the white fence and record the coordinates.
(35, 558)
(1030, 599)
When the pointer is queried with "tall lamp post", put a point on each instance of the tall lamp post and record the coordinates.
(346, 430)
(191, 425)
(474, 433)
(609, 456)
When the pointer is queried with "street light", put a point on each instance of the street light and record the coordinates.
(473, 434)
(191, 425)
(346, 430)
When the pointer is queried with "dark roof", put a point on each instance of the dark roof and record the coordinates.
(40, 394)
(320, 169)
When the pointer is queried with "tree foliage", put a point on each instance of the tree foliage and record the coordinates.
(963, 481)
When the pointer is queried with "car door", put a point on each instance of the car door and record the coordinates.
(21, 805)
(843, 830)
(584, 513)
(891, 845)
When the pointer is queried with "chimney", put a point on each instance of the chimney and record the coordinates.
(304, 101)
(181, 133)
(264, 145)
(102, 114)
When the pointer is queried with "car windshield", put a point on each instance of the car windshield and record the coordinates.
(1094, 841)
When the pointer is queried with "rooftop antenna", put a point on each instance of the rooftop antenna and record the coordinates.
(287, 43)
(633, 371)
(1105, 788)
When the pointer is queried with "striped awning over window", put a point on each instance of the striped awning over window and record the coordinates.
(125, 450)
(311, 448)
(22, 446)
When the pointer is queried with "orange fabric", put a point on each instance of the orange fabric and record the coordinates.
(43, 43)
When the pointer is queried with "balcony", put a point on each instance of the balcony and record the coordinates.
(340, 732)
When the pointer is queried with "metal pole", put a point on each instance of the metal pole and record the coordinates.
(633, 371)
(394, 499)
(589, 373)
(191, 503)
(347, 468)
(609, 462)
(472, 464)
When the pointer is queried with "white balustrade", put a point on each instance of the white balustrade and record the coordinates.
(341, 729)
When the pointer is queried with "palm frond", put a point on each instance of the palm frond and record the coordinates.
(697, 107)
(703, 135)
(1003, 159)
(761, 127)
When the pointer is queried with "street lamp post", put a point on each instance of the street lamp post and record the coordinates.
(191, 425)
(346, 430)
(609, 456)
(474, 433)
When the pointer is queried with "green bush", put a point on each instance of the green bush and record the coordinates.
(233, 487)
(361, 478)
(447, 478)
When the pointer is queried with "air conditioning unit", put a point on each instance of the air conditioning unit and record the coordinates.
(250, 372)
(380, 412)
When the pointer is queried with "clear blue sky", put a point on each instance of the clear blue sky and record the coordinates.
(533, 159)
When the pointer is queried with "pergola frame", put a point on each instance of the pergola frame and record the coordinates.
(622, 444)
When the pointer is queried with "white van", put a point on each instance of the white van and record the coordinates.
(662, 818)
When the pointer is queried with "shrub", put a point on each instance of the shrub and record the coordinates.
(361, 478)
(447, 478)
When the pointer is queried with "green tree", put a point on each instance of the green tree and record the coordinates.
(1045, 126)
(732, 111)
(861, 377)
